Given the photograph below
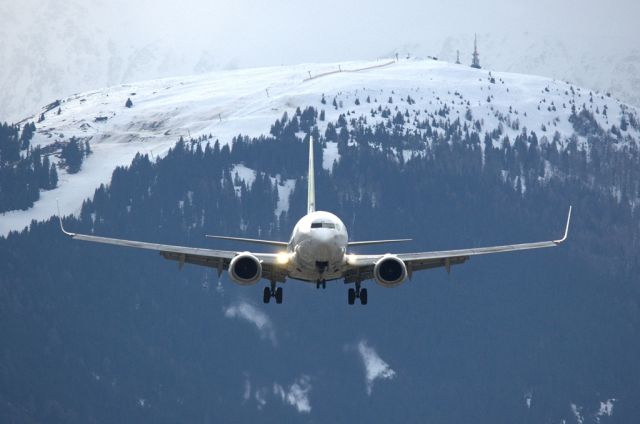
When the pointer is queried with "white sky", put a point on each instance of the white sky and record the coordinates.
(251, 32)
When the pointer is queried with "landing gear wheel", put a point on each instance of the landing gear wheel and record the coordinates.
(266, 295)
(351, 296)
(363, 296)
(278, 295)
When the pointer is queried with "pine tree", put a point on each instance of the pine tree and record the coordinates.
(27, 135)
(53, 177)
(623, 123)
(43, 173)
(129, 103)
(468, 115)
(72, 155)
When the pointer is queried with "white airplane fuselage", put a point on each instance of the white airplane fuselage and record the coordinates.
(317, 247)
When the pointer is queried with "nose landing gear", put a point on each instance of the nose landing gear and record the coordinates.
(357, 293)
(321, 283)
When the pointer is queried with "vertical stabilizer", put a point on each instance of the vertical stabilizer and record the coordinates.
(311, 187)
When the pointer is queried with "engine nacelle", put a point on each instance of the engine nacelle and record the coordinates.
(390, 271)
(245, 269)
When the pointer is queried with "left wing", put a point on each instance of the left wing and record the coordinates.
(361, 266)
(218, 259)
(370, 242)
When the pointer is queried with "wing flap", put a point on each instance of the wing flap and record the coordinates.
(166, 248)
(475, 251)
(370, 242)
(250, 240)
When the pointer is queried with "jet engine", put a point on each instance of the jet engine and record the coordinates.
(390, 271)
(245, 269)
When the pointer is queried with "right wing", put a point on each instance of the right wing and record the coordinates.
(361, 266)
(218, 259)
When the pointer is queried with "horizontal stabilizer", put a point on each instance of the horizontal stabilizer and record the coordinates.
(365, 243)
(250, 240)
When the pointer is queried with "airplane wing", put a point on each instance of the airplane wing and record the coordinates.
(250, 240)
(361, 266)
(218, 259)
(371, 242)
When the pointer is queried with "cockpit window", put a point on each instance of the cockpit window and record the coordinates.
(323, 225)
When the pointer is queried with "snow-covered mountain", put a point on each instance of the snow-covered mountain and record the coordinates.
(227, 103)
(60, 48)
(51, 49)
(607, 66)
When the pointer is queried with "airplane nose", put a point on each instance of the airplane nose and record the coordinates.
(323, 252)
(324, 237)
(324, 245)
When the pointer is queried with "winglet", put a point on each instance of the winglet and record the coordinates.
(60, 219)
(566, 229)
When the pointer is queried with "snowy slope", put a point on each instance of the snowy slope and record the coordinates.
(228, 103)
(607, 65)
(51, 49)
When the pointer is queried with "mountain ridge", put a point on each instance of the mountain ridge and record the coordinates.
(224, 104)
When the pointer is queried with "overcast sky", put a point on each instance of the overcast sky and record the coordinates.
(253, 32)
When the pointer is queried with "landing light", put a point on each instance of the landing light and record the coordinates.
(282, 258)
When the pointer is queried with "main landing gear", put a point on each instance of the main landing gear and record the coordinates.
(357, 293)
(272, 291)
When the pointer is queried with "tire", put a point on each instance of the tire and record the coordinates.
(279, 295)
(363, 296)
(266, 295)
(351, 296)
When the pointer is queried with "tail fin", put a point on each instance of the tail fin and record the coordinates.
(311, 187)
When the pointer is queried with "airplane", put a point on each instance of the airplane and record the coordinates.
(317, 252)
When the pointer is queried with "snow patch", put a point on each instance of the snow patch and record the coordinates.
(246, 395)
(261, 397)
(375, 367)
(249, 313)
(297, 395)
(245, 174)
(606, 408)
(528, 397)
(577, 413)
(329, 155)
(284, 192)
